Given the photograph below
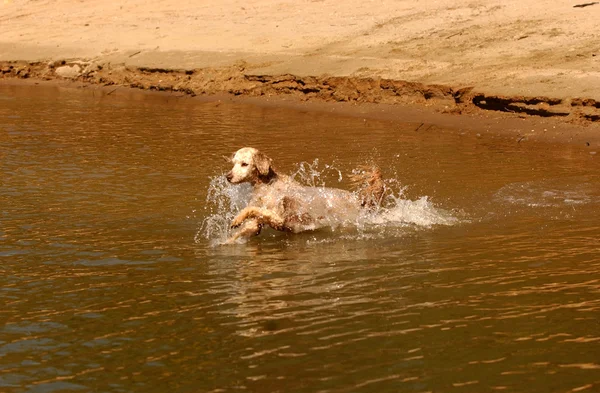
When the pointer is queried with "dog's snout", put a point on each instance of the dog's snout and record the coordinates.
(229, 176)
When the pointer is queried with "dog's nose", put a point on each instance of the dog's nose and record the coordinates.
(229, 177)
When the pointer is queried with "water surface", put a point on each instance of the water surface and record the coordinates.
(485, 277)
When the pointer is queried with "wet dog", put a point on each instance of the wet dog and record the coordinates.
(283, 204)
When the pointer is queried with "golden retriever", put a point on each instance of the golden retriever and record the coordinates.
(285, 205)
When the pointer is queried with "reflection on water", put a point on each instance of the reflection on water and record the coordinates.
(109, 281)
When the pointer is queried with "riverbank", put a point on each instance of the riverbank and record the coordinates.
(495, 58)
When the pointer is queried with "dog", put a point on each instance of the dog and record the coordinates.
(285, 205)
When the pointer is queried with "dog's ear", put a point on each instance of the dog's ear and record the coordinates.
(263, 163)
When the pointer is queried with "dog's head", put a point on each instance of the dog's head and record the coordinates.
(249, 165)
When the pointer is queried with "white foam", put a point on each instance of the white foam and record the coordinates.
(420, 212)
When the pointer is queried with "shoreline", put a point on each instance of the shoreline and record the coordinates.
(239, 79)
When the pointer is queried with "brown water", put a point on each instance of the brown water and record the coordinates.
(483, 275)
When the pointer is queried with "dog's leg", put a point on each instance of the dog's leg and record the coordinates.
(262, 216)
(293, 218)
(250, 228)
(240, 218)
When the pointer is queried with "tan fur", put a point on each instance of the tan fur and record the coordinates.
(285, 205)
(370, 185)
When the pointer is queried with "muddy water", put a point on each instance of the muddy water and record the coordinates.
(483, 275)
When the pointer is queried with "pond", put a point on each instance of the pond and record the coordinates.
(482, 275)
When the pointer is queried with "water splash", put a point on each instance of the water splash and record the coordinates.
(312, 176)
(223, 202)
(421, 212)
(395, 216)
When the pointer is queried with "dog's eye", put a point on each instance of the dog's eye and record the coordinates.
(244, 164)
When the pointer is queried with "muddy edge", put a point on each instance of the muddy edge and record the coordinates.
(239, 79)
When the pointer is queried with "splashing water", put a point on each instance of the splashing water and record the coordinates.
(310, 175)
(225, 201)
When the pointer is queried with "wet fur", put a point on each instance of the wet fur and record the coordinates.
(277, 199)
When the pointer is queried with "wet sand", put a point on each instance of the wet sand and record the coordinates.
(502, 61)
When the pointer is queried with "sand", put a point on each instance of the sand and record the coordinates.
(532, 58)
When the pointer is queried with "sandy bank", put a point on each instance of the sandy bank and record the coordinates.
(536, 58)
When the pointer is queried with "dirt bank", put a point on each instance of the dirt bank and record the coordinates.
(536, 59)
(238, 80)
